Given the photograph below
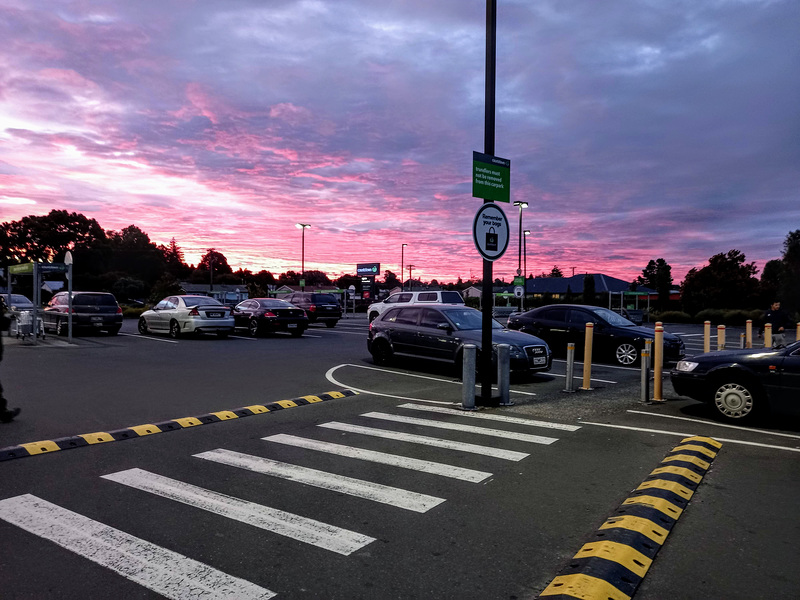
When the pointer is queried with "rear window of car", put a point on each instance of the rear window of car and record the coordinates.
(275, 304)
(323, 298)
(427, 297)
(452, 298)
(200, 301)
(94, 300)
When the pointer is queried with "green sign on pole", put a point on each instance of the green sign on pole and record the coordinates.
(491, 177)
(519, 280)
(23, 269)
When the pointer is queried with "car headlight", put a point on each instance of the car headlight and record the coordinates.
(686, 366)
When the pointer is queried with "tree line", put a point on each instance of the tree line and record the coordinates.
(128, 264)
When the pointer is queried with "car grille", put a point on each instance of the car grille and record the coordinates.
(537, 355)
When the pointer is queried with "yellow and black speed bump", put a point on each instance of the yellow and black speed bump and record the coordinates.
(613, 563)
(87, 439)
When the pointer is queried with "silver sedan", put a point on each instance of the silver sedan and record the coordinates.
(178, 315)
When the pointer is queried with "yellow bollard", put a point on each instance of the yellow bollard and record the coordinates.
(658, 357)
(587, 357)
(707, 336)
(748, 335)
(768, 335)
(720, 337)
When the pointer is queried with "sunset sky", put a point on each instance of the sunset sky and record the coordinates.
(635, 129)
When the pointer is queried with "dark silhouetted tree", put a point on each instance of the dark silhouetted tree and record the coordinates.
(726, 282)
(657, 275)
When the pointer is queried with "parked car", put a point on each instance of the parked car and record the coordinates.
(615, 337)
(426, 297)
(439, 332)
(178, 315)
(633, 315)
(742, 384)
(90, 310)
(319, 307)
(262, 315)
(16, 305)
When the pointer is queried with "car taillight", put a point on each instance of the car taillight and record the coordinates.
(268, 314)
(119, 310)
(313, 308)
(194, 312)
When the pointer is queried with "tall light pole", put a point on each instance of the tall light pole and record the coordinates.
(525, 234)
(521, 206)
(402, 257)
(410, 284)
(303, 227)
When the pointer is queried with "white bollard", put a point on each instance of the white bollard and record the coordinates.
(569, 385)
(468, 377)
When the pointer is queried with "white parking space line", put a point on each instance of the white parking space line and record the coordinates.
(715, 424)
(277, 521)
(330, 481)
(332, 330)
(242, 337)
(403, 462)
(428, 441)
(488, 417)
(510, 435)
(167, 573)
(719, 439)
(147, 337)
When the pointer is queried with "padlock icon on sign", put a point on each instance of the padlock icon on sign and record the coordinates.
(491, 239)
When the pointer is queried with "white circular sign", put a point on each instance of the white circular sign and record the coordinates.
(490, 231)
(519, 291)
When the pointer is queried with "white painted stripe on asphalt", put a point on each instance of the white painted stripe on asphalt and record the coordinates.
(338, 483)
(329, 376)
(309, 531)
(511, 435)
(242, 337)
(715, 424)
(342, 331)
(403, 462)
(719, 439)
(167, 573)
(428, 441)
(491, 417)
(147, 337)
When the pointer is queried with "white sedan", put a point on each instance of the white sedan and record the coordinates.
(178, 315)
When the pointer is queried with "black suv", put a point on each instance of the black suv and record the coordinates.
(319, 307)
(90, 310)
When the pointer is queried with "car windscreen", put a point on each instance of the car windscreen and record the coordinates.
(452, 298)
(94, 300)
(468, 318)
(19, 301)
(613, 318)
(200, 301)
(323, 298)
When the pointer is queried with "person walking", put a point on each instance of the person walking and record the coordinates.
(779, 319)
(6, 414)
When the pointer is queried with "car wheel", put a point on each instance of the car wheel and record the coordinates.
(736, 401)
(626, 354)
(330, 324)
(114, 330)
(174, 330)
(142, 326)
(372, 316)
(252, 327)
(381, 353)
(62, 328)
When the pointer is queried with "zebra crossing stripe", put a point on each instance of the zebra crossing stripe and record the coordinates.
(510, 435)
(491, 417)
(428, 441)
(403, 462)
(167, 573)
(376, 492)
(277, 521)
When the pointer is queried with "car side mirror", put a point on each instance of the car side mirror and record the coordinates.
(444, 327)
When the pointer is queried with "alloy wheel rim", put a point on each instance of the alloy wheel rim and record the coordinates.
(626, 354)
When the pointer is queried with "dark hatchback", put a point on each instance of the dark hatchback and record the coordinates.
(439, 333)
(319, 307)
(90, 310)
(742, 384)
(267, 315)
(615, 337)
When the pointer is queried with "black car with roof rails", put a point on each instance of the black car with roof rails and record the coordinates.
(439, 333)
(90, 311)
(615, 337)
(320, 307)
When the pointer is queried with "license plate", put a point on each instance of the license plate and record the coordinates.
(537, 360)
(97, 318)
(291, 326)
(214, 314)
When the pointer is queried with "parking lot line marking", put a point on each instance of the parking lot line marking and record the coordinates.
(242, 337)
(376, 492)
(719, 439)
(428, 441)
(488, 417)
(302, 529)
(511, 435)
(147, 337)
(167, 573)
(403, 462)
(329, 376)
(715, 424)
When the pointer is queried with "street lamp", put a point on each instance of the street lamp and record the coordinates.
(521, 206)
(303, 226)
(402, 250)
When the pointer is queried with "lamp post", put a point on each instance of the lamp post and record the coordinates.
(525, 234)
(402, 257)
(521, 205)
(303, 227)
